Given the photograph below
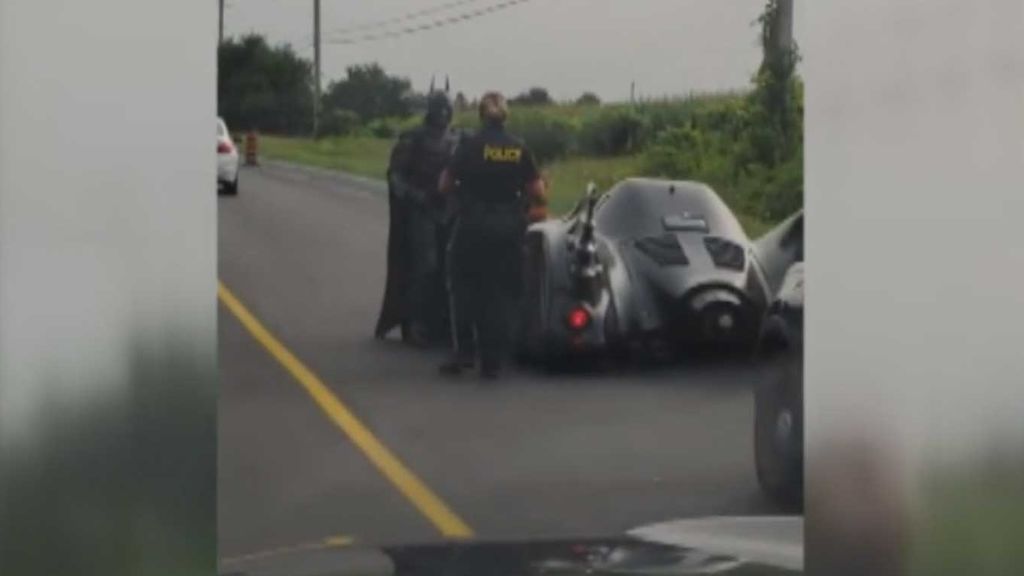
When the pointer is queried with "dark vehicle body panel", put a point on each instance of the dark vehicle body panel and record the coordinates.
(653, 241)
(780, 248)
(779, 456)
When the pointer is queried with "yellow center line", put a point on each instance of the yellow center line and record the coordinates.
(428, 503)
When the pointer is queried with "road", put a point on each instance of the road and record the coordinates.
(329, 437)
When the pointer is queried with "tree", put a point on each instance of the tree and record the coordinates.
(778, 91)
(369, 92)
(588, 99)
(417, 102)
(533, 97)
(338, 123)
(461, 103)
(265, 88)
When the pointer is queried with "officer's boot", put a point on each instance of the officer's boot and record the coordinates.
(490, 360)
(457, 364)
(464, 355)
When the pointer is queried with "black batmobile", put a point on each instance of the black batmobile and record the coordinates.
(778, 394)
(648, 260)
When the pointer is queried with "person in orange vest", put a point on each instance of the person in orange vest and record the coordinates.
(251, 149)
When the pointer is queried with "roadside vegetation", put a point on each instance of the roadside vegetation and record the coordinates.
(747, 144)
(362, 155)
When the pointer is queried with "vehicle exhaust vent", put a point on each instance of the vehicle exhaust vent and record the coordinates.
(664, 250)
(726, 254)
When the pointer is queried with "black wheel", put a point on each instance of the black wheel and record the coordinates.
(231, 188)
(778, 432)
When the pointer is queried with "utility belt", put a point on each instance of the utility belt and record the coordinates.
(490, 220)
(491, 208)
(473, 203)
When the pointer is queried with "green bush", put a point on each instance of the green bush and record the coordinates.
(382, 128)
(338, 123)
(677, 153)
(407, 123)
(696, 111)
(657, 119)
(610, 132)
(782, 189)
(588, 99)
(390, 127)
(716, 149)
(466, 120)
(548, 136)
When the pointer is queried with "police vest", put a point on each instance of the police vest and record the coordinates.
(493, 167)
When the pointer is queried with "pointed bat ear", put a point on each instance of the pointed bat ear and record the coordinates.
(447, 85)
(431, 83)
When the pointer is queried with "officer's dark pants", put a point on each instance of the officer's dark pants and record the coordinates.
(486, 261)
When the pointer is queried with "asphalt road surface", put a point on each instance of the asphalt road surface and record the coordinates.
(329, 437)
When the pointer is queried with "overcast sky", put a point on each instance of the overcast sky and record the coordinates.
(669, 47)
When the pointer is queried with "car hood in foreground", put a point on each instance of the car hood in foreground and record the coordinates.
(769, 546)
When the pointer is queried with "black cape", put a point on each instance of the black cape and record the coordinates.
(394, 309)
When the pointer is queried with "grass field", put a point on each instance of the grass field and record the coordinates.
(368, 156)
(568, 179)
(357, 155)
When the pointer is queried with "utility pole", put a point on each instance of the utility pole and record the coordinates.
(632, 92)
(220, 29)
(316, 60)
(782, 27)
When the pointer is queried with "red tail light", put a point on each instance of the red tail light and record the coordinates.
(578, 318)
(224, 147)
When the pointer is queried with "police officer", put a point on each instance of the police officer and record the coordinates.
(497, 190)
(415, 293)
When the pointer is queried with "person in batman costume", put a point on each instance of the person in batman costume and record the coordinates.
(414, 296)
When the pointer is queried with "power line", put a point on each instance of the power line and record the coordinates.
(316, 58)
(434, 25)
(410, 16)
(439, 23)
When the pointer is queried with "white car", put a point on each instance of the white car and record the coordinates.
(227, 160)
